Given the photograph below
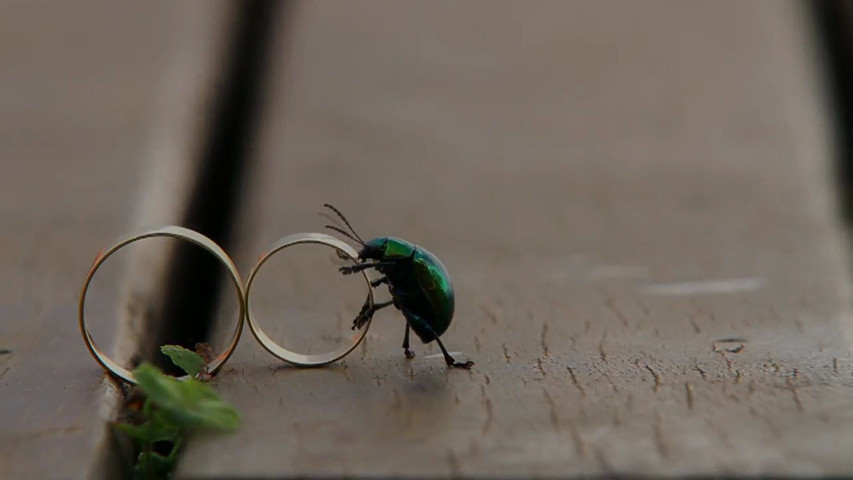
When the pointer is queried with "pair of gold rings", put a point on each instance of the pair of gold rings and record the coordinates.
(243, 294)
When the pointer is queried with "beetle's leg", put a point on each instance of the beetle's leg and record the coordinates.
(409, 354)
(423, 325)
(367, 312)
(378, 282)
(451, 362)
(396, 295)
(348, 269)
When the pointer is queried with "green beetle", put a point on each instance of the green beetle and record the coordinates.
(419, 285)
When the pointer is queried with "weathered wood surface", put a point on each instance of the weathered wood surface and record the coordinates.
(614, 186)
(99, 109)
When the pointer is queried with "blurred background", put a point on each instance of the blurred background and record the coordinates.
(615, 187)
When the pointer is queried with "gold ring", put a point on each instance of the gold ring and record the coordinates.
(276, 349)
(174, 232)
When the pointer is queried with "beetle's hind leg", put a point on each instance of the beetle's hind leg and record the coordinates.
(423, 326)
(451, 362)
(409, 354)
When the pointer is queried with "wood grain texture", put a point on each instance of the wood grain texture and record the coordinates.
(98, 106)
(615, 187)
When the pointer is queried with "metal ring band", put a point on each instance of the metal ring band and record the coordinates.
(174, 232)
(276, 349)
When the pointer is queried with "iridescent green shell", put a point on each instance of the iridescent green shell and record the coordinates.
(396, 248)
(435, 283)
(432, 298)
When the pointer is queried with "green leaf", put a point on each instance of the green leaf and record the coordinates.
(188, 403)
(188, 360)
(153, 465)
(155, 429)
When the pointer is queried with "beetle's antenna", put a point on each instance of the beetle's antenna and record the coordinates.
(342, 217)
(330, 218)
(341, 231)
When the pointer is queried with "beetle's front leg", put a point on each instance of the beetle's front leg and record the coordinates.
(350, 269)
(380, 281)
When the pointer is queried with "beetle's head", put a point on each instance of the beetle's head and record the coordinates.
(373, 249)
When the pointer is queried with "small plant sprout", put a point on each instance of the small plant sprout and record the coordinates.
(171, 407)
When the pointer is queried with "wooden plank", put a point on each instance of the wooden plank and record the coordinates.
(98, 129)
(615, 187)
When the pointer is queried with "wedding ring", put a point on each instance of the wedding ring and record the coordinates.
(180, 233)
(269, 344)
